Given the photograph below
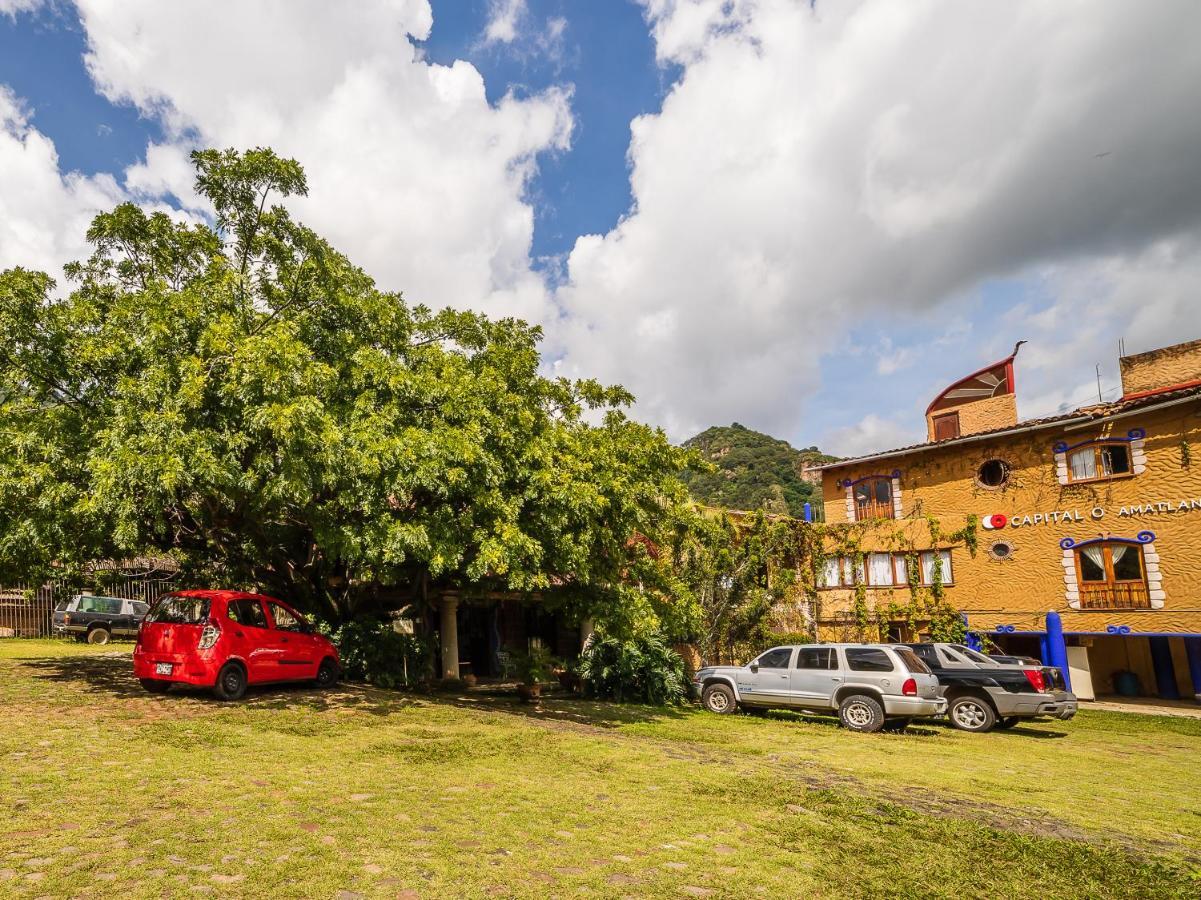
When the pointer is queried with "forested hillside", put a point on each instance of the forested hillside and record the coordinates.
(754, 471)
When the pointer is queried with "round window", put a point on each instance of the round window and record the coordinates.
(993, 473)
(1001, 551)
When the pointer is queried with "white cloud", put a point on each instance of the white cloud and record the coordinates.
(44, 214)
(503, 18)
(816, 168)
(871, 434)
(411, 171)
(10, 8)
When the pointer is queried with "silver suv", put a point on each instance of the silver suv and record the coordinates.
(871, 687)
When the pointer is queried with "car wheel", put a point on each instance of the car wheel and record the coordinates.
(860, 712)
(231, 682)
(970, 713)
(718, 698)
(1007, 722)
(155, 685)
(99, 635)
(896, 725)
(327, 674)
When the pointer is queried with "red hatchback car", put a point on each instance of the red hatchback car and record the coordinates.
(226, 640)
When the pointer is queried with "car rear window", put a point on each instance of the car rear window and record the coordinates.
(911, 661)
(106, 605)
(180, 610)
(868, 659)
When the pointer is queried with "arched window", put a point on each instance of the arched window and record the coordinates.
(1112, 575)
(873, 498)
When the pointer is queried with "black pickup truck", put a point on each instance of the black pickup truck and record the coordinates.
(983, 694)
(97, 619)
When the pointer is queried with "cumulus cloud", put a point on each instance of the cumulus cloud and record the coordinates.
(411, 170)
(43, 212)
(817, 166)
(503, 19)
(871, 434)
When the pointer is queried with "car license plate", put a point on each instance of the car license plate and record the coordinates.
(162, 668)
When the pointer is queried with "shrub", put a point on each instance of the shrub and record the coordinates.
(642, 670)
(375, 652)
(784, 638)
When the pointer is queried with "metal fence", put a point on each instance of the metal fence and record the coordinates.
(27, 611)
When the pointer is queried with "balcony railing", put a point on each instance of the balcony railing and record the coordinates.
(864, 511)
(1114, 595)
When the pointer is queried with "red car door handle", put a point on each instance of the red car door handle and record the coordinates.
(283, 640)
(239, 634)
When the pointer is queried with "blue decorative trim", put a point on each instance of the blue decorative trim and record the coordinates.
(847, 482)
(1117, 629)
(1143, 537)
(1134, 434)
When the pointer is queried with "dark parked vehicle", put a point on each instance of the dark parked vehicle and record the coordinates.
(99, 619)
(983, 694)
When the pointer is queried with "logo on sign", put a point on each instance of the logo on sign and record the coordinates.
(996, 520)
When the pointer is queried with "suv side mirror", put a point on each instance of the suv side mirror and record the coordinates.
(754, 667)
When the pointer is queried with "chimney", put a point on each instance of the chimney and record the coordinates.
(1162, 369)
(982, 401)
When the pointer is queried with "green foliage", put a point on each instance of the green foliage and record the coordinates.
(245, 399)
(535, 666)
(786, 638)
(750, 471)
(639, 670)
(375, 652)
(728, 572)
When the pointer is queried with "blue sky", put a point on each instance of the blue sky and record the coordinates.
(806, 218)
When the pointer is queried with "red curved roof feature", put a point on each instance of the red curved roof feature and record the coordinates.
(995, 379)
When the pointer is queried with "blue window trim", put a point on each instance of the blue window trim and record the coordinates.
(1143, 537)
(847, 482)
(1135, 434)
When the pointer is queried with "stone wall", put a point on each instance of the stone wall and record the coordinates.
(979, 415)
(1160, 368)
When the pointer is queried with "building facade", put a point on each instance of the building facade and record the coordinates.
(1074, 538)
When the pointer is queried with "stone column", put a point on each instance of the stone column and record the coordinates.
(1057, 648)
(1192, 646)
(1165, 670)
(450, 635)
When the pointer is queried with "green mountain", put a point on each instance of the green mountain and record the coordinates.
(754, 471)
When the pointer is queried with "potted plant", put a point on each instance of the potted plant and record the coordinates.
(532, 669)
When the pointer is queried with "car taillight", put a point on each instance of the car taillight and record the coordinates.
(909, 688)
(1035, 677)
(209, 636)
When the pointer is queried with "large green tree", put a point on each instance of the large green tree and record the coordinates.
(239, 395)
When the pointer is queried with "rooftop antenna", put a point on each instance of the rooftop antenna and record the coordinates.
(1099, 400)
(1121, 347)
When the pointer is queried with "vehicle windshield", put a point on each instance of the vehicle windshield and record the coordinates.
(974, 656)
(62, 605)
(180, 610)
(912, 663)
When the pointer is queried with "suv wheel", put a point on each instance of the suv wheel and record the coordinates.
(327, 674)
(718, 698)
(859, 712)
(969, 713)
(231, 682)
(99, 635)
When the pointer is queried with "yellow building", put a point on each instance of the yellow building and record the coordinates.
(1085, 527)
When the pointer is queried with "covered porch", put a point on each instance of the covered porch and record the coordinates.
(478, 636)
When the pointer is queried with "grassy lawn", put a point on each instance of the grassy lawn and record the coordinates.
(107, 790)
